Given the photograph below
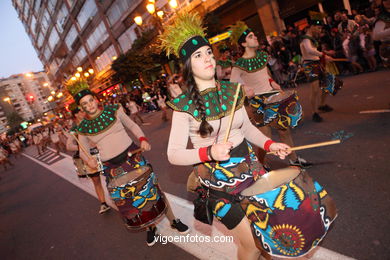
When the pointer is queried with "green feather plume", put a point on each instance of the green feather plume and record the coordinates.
(237, 30)
(76, 86)
(184, 27)
(73, 106)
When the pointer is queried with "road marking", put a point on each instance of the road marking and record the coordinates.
(53, 159)
(183, 209)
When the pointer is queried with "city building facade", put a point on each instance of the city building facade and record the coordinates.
(69, 34)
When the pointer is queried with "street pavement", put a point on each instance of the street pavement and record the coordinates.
(43, 216)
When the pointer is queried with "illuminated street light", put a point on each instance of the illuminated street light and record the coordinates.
(79, 69)
(114, 57)
(90, 71)
(60, 95)
(28, 75)
(173, 4)
(86, 74)
(78, 75)
(160, 14)
(150, 7)
(138, 20)
(73, 78)
(50, 98)
(45, 84)
(53, 92)
(7, 99)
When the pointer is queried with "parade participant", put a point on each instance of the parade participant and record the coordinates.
(224, 63)
(381, 32)
(174, 89)
(106, 127)
(251, 70)
(55, 139)
(4, 158)
(161, 104)
(224, 160)
(134, 109)
(93, 174)
(315, 71)
(37, 140)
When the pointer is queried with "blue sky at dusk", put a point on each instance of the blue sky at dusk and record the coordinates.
(17, 55)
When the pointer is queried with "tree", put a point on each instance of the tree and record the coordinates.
(14, 120)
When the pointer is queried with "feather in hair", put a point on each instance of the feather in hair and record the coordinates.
(184, 27)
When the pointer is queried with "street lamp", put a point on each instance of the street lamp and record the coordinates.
(151, 8)
(90, 71)
(138, 20)
(78, 75)
(79, 69)
(86, 74)
(7, 99)
(173, 4)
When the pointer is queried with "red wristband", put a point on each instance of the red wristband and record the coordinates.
(142, 138)
(203, 154)
(267, 144)
(270, 80)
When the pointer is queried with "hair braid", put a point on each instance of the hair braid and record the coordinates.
(205, 128)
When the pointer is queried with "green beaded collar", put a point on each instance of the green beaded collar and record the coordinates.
(99, 124)
(225, 63)
(224, 92)
(253, 64)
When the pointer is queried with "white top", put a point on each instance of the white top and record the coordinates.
(309, 52)
(380, 32)
(132, 106)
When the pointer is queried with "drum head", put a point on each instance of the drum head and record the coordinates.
(278, 97)
(272, 180)
(130, 176)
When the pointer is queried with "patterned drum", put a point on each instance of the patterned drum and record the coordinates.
(138, 197)
(288, 211)
(281, 110)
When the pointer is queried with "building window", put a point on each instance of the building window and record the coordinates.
(127, 38)
(26, 9)
(87, 12)
(97, 37)
(70, 2)
(40, 40)
(53, 39)
(71, 37)
(79, 56)
(33, 24)
(51, 5)
(47, 52)
(117, 9)
(105, 58)
(45, 21)
(61, 18)
(37, 5)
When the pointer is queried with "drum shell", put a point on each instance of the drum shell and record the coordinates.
(300, 210)
(138, 197)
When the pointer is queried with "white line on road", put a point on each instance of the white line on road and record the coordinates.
(183, 209)
(53, 159)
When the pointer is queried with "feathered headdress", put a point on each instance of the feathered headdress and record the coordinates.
(184, 36)
(78, 89)
(239, 32)
(73, 108)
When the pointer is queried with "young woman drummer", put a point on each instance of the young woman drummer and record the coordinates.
(106, 127)
(201, 113)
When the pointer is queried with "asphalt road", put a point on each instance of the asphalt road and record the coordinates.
(42, 216)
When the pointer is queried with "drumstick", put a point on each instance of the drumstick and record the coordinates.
(340, 59)
(311, 146)
(232, 113)
(80, 145)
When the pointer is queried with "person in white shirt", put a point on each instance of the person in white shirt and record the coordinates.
(381, 32)
(134, 111)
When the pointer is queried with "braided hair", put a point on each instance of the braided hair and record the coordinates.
(205, 128)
